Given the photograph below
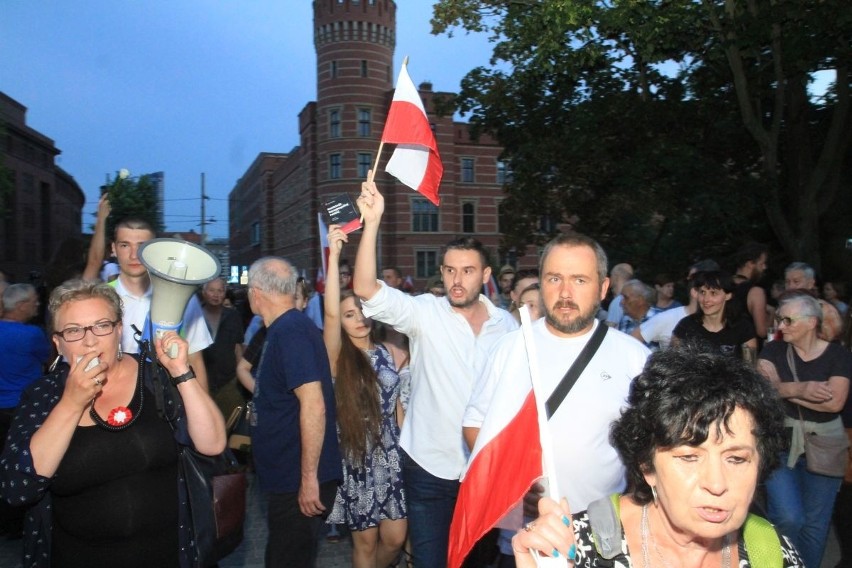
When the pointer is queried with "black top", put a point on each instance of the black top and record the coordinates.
(219, 357)
(115, 496)
(835, 361)
(728, 340)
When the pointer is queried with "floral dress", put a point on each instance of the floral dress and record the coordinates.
(372, 491)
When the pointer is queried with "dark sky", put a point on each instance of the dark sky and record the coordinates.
(185, 86)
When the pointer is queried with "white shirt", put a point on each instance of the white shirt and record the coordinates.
(588, 466)
(659, 327)
(446, 359)
(136, 309)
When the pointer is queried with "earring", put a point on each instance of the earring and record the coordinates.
(654, 493)
(120, 355)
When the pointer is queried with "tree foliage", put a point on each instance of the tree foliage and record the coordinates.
(667, 129)
(132, 197)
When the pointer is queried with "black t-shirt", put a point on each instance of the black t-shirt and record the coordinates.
(219, 357)
(835, 361)
(728, 340)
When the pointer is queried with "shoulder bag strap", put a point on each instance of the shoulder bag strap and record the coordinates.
(791, 362)
(567, 382)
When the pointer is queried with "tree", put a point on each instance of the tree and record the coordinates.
(132, 197)
(660, 126)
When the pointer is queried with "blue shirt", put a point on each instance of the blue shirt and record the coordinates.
(294, 355)
(25, 349)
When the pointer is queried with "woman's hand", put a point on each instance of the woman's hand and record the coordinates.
(336, 238)
(180, 364)
(816, 391)
(83, 385)
(371, 203)
(551, 534)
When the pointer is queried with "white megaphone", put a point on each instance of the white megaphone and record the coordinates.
(177, 268)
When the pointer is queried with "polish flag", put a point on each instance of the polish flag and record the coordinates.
(505, 462)
(415, 161)
(319, 285)
(491, 289)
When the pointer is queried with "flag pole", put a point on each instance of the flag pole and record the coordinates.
(548, 461)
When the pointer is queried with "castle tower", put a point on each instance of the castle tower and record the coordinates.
(354, 41)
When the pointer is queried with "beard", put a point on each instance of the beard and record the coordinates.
(467, 301)
(576, 325)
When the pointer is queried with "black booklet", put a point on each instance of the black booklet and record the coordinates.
(341, 210)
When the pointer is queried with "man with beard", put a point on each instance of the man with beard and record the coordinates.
(573, 283)
(450, 339)
(748, 297)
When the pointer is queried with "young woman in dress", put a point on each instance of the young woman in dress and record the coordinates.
(371, 501)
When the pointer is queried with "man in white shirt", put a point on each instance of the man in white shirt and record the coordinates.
(133, 285)
(573, 283)
(450, 340)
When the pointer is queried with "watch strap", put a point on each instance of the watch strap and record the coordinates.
(187, 376)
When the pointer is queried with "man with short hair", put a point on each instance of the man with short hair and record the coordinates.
(392, 277)
(750, 262)
(133, 286)
(504, 282)
(25, 350)
(801, 276)
(618, 276)
(638, 301)
(294, 442)
(573, 283)
(450, 339)
(221, 356)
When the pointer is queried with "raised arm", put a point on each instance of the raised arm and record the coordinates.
(372, 205)
(97, 246)
(331, 299)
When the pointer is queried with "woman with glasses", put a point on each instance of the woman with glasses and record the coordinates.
(800, 502)
(89, 452)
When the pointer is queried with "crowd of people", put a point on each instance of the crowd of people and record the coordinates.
(681, 425)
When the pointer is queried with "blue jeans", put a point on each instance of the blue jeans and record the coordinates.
(800, 505)
(431, 501)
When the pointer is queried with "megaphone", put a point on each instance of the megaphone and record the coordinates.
(177, 268)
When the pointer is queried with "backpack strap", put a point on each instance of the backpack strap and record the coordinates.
(605, 522)
(762, 543)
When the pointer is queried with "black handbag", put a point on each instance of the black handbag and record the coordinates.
(216, 490)
(215, 485)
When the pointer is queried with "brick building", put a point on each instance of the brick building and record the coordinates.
(273, 207)
(40, 226)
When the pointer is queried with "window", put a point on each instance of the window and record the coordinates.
(334, 124)
(427, 263)
(467, 170)
(334, 166)
(502, 218)
(468, 218)
(255, 233)
(364, 122)
(332, 69)
(424, 216)
(363, 67)
(364, 163)
(504, 172)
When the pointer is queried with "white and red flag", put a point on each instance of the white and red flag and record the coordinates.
(319, 285)
(415, 161)
(506, 460)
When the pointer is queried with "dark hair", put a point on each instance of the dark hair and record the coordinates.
(359, 415)
(134, 223)
(468, 243)
(524, 273)
(577, 240)
(715, 280)
(682, 397)
(749, 252)
(662, 279)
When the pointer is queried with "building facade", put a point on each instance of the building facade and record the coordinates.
(40, 205)
(273, 207)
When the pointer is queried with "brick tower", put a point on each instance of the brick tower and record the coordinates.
(354, 41)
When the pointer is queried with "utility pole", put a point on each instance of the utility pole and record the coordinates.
(203, 213)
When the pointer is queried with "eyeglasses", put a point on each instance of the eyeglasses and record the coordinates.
(100, 329)
(789, 320)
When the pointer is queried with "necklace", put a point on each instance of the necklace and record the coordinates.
(121, 417)
(646, 536)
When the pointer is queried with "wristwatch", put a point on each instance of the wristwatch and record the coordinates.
(187, 376)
